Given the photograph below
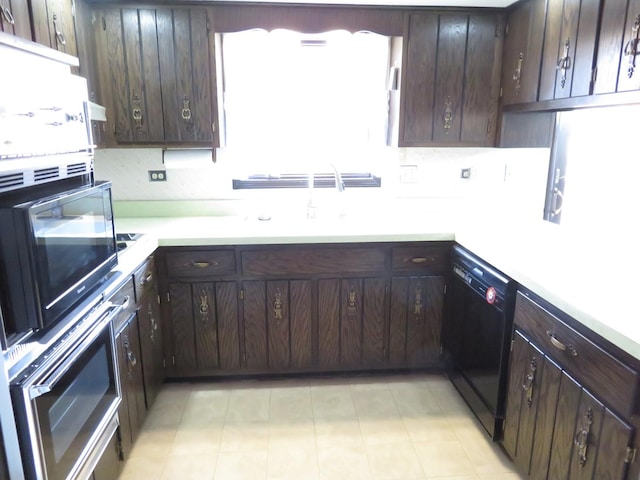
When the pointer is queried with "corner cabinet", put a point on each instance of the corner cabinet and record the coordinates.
(156, 75)
(303, 308)
(571, 405)
(450, 83)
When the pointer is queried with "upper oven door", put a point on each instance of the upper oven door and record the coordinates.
(72, 246)
(62, 408)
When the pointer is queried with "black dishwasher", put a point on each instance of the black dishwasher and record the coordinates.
(477, 334)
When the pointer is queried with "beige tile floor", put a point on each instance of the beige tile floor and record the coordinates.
(359, 428)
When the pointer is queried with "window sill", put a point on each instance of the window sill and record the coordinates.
(295, 180)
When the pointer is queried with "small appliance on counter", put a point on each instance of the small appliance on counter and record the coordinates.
(477, 334)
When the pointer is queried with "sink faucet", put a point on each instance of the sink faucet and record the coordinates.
(311, 208)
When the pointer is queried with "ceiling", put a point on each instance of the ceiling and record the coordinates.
(395, 3)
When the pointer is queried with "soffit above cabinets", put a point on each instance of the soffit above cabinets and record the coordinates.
(394, 3)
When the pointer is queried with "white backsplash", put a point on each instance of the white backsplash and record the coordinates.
(502, 182)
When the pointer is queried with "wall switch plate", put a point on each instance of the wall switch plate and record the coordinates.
(465, 173)
(157, 175)
(408, 174)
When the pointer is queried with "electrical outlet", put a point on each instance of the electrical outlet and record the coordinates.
(408, 174)
(157, 175)
(465, 173)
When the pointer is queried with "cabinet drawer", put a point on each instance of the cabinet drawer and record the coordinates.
(420, 259)
(312, 260)
(144, 278)
(612, 381)
(124, 296)
(201, 264)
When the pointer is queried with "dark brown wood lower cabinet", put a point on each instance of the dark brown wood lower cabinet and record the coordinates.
(556, 428)
(204, 328)
(415, 320)
(132, 411)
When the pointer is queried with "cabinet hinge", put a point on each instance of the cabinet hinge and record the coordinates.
(168, 297)
(631, 455)
(242, 294)
(500, 92)
(158, 298)
(164, 364)
(512, 343)
(213, 127)
(506, 30)
(444, 289)
(594, 75)
(173, 360)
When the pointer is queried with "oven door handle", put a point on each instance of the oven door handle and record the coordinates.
(103, 321)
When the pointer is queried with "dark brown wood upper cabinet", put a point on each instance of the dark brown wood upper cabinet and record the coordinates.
(569, 48)
(613, 28)
(523, 52)
(629, 74)
(54, 25)
(14, 18)
(450, 83)
(155, 73)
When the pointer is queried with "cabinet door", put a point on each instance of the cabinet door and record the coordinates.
(132, 409)
(522, 51)
(53, 23)
(255, 326)
(415, 322)
(182, 329)
(610, 46)
(227, 321)
(569, 48)
(419, 79)
(629, 75)
(186, 76)
(451, 80)
(151, 343)
(14, 18)
(125, 38)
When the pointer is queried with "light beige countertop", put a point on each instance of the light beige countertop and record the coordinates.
(588, 278)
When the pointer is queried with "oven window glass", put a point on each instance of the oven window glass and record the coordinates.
(72, 409)
(76, 406)
(73, 237)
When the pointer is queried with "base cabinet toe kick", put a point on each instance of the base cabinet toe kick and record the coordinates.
(572, 409)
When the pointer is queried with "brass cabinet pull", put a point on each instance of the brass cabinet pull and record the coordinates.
(201, 264)
(417, 302)
(131, 358)
(351, 302)
(560, 345)
(564, 63)
(277, 305)
(448, 115)
(517, 73)
(59, 35)
(137, 112)
(186, 109)
(146, 280)
(529, 380)
(582, 437)
(152, 324)
(631, 48)
(204, 308)
(8, 16)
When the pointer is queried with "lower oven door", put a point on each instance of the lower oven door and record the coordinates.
(63, 407)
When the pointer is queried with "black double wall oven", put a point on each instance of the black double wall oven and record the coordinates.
(57, 255)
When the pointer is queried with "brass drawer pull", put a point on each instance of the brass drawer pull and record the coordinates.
(146, 279)
(202, 264)
(561, 346)
(582, 437)
(277, 305)
(418, 260)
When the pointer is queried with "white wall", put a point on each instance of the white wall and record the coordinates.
(502, 181)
